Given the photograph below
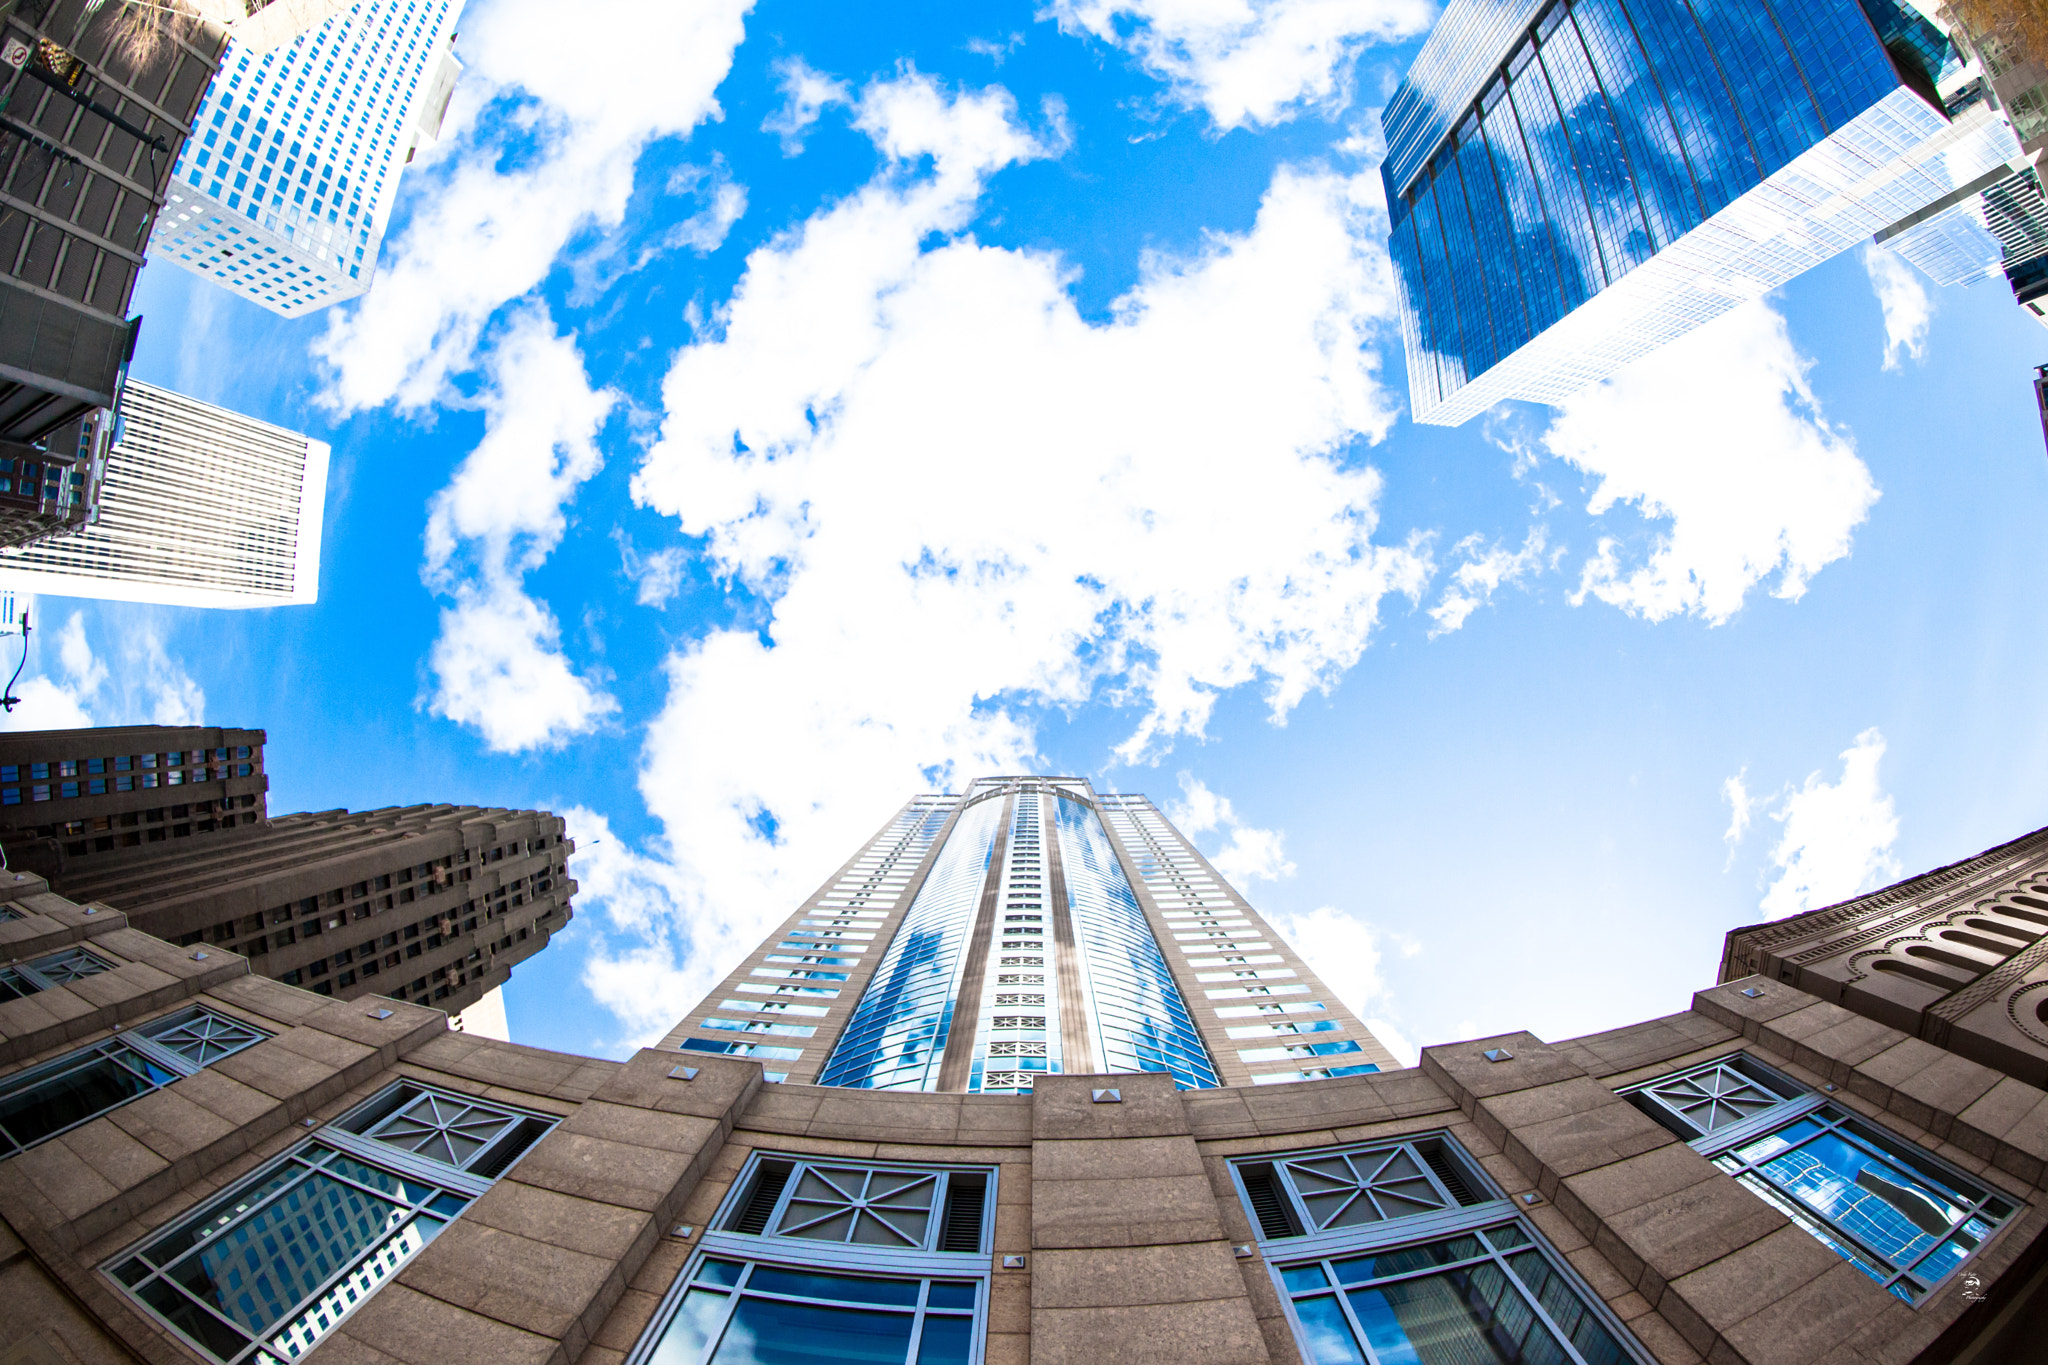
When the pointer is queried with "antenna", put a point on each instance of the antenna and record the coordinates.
(9, 701)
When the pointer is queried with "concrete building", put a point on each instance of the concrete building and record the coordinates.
(200, 1166)
(1025, 928)
(285, 190)
(1571, 185)
(169, 825)
(99, 100)
(198, 507)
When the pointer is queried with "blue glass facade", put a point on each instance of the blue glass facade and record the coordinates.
(1571, 186)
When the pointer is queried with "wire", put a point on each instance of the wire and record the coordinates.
(10, 701)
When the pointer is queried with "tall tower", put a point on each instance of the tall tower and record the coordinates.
(199, 507)
(284, 190)
(1029, 926)
(1573, 183)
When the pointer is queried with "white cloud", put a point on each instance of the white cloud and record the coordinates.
(1742, 808)
(1485, 570)
(500, 198)
(614, 256)
(1718, 435)
(657, 577)
(146, 684)
(806, 93)
(956, 500)
(1908, 307)
(1345, 952)
(1838, 836)
(1248, 61)
(1251, 854)
(497, 663)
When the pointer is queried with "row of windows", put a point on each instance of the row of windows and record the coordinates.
(120, 763)
(125, 782)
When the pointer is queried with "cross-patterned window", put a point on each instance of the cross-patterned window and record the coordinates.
(61, 1094)
(1328, 1191)
(886, 1207)
(456, 1131)
(55, 969)
(1714, 1095)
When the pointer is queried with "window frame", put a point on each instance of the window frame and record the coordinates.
(138, 1040)
(33, 971)
(783, 1251)
(1491, 1209)
(1827, 1110)
(339, 1138)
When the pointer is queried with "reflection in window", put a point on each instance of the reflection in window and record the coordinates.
(733, 1312)
(1489, 1297)
(78, 1087)
(1884, 1205)
(265, 1271)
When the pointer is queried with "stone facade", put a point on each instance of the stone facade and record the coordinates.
(1954, 956)
(1119, 1230)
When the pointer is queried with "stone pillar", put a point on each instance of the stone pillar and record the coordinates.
(1129, 1264)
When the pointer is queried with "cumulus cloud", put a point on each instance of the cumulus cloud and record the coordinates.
(1486, 568)
(1838, 836)
(1719, 436)
(1908, 307)
(497, 662)
(1742, 807)
(616, 255)
(144, 683)
(1251, 854)
(1248, 61)
(806, 93)
(957, 501)
(539, 152)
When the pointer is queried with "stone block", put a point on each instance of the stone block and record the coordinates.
(1750, 1279)
(1108, 1277)
(1467, 1074)
(283, 1073)
(1695, 1226)
(1810, 1321)
(1139, 1211)
(618, 1173)
(608, 1231)
(1595, 1137)
(1727, 1006)
(1638, 1180)
(1111, 1159)
(1211, 1333)
(62, 1178)
(538, 1287)
(723, 1085)
(406, 1325)
(1063, 1107)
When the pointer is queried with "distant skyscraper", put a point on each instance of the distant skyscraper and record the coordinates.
(199, 507)
(94, 119)
(1572, 185)
(1029, 927)
(285, 189)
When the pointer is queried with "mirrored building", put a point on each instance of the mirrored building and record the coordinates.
(1029, 927)
(1572, 184)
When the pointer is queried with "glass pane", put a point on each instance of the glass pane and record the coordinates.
(1507, 1238)
(1384, 1263)
(1572, 1317)
(946, 1341)
(1300, 1277)
(951, 1294)
(167, 1248)
(377, 1178)
(1764, 1148)
(772, 1332)
(259, 1269)
(847, 1288)
(195, 1322)
(1326, 1337)
(300, 1335)
(690, 1330)
(1462, 1317)
(1894, 1213)
(37, 1110)
(720, 1272)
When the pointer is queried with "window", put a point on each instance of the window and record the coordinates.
(80, 1086)
(1893, 1211)
(893, 1268)
(266, 1270)
(39, 974)
(1405, 1251)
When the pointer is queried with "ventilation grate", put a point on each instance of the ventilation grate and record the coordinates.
(768, 1182)
(508, 1150)
(1447, 1172)
(966, 1198)
(1267, 1202)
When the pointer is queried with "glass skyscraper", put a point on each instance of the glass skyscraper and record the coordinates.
(1574, 183)
(1029, 926)
(284, 189)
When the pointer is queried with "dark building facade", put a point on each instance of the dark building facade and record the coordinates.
(433, 904)
(96, 105)
(72, 799)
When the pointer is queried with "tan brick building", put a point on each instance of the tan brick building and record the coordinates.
(208, 1167)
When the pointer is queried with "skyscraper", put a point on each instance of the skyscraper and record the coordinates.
(198, 507)
(1028, 927)
(96, 113)
(1572, 184)
(285, 189)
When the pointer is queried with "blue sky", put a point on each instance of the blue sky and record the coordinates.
(866, 400)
